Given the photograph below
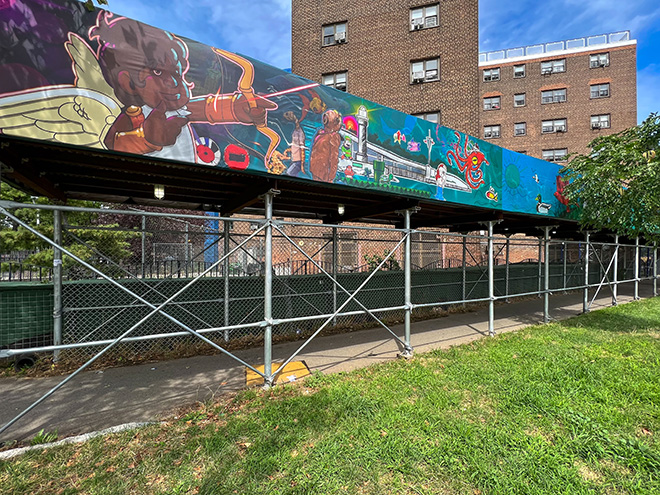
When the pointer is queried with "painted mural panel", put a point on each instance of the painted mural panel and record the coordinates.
(98, 80)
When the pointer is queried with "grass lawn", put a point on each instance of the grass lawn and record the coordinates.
(566, 408)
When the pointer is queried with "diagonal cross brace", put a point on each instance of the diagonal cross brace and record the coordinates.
(344, 304)
(156, 309)
(370, 313)
(606, 273)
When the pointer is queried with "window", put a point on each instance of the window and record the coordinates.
(519, 100)
(424, 17)
(424, 71)
(492, 131)
(519, 71)
(334, 34)
(600, 90)
(492, 74)
(599, 60)
(548, 126)
(558, 155)
(553, 66)
(600, 121)
(431, 116)
(520, 129)
(553, 96)
(492, 103)
(336, 80)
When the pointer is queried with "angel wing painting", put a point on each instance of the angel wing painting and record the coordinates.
(79, 114)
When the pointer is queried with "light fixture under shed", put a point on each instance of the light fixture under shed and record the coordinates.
(159, 191)
(341, 209)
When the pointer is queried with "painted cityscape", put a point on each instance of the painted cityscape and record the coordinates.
(94, 79)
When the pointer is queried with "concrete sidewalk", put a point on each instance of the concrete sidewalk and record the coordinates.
(98, 400)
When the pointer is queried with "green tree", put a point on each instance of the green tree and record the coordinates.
(617, 184)
(96, 233)
(373, 260)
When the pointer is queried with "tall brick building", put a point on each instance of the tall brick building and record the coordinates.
(417, 57)
(552, 99)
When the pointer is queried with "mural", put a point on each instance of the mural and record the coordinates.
(98, 80)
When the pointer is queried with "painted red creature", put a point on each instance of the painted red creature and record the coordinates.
(559, 193)
(468, 160)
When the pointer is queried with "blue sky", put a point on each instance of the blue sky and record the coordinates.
(262, 28)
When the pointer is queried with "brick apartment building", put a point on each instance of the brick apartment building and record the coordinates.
(552, 99)
(419, 58)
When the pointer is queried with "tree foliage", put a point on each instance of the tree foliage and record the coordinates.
(618, 183)
(96, 234)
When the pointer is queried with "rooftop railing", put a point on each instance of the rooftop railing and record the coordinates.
(554, 46)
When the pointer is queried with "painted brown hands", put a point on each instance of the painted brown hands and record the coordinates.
(245, 87)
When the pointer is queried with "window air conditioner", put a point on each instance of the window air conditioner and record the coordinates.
(417, 23)
(594, 64)
(602, 64)
(561, 128)
(488, 134)
(520, 132)
(546, 72)
(431, 75)
(418, 77)
(340, 37)
(495, 106)
(595, 125)
(431, 22)
(341, 86)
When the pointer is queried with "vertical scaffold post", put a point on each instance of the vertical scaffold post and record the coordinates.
(144, 245)
(464, 294)
(585, 300)
(655, 269)
(546, 275)
(636, 268)
(57, 282)
(506, 268)
(225, 268)
(268, 292)
(615, 276)
(491, 282)
(335, 247)
(407, 351)
(540, 265)
(564, 247)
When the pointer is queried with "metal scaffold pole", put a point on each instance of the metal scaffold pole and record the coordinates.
(546, 281)
(57, 282)
(506, 267)
(464, 278)
(655, 269)
(636, 268)
(335, 248)
(585, 300)
(540, 265)
(225, 266)
(491, 282)
(615, 276)
(407, 351)
(268, 291)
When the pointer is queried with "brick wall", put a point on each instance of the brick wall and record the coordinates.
(578, 109)
(380, 47)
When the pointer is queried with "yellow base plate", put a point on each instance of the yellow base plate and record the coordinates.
(293, 371)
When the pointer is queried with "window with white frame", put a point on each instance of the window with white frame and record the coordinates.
(520, 129)
(600, 90)
(430, 116)
(492, 103)
(334, 34)
(492, 74)
(553, 96)
(600, 121)
(552, 66)
(336, 80)
(425, 71)
(424, 17)
(549, 126)
(519, 71)
(599, 60)
(492, 131)
(519, 100)
(557, 155)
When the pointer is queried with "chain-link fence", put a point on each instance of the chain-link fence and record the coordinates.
(208, 275)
